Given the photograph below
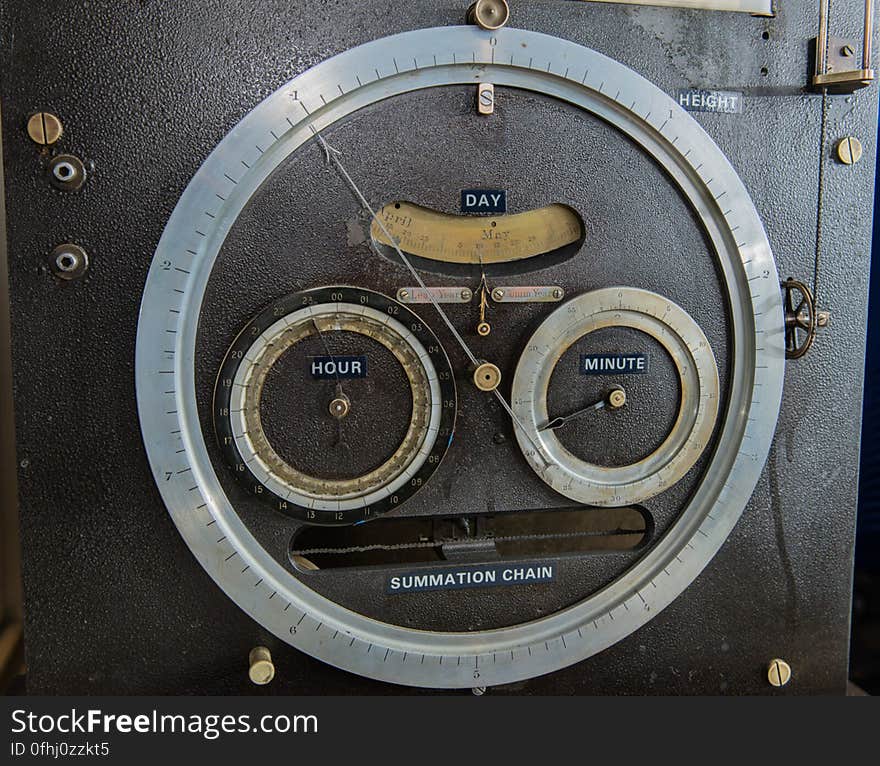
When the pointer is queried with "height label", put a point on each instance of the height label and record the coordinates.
(721, 101)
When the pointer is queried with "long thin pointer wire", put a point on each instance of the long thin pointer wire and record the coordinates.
(332, 155)
(339, 390)
(332, 358)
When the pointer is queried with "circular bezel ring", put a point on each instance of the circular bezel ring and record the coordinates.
(255, 463)
(182, 265)
(670, 326)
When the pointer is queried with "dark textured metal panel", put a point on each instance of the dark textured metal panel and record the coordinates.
(114, 598)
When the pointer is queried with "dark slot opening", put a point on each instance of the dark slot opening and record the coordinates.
(532, 534)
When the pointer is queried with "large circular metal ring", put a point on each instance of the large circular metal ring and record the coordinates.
(235, 171)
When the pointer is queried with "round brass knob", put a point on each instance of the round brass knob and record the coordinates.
(617, 398)
(340, 407)
(487, 377)
(261, 670)
(489, 14)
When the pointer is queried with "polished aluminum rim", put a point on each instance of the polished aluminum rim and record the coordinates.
(173, 296)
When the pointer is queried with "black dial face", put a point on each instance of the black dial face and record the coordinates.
(324, 405)
(335, 405)
(334, 424)
(614, 397)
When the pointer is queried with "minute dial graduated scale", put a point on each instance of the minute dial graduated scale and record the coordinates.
(676, 336)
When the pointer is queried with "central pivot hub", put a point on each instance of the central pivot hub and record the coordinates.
(617, 398)
(340, 406)
(487, 377)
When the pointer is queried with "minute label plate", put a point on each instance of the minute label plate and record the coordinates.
(614, 364)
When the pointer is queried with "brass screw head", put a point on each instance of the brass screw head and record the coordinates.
(487, 377)
(402, 294)
(340, 406)
(617, 398)
(778, 672)
(466, 294)
(44, 128)
(849, 150)
(489, 14)
(497, 294)
(261, 670)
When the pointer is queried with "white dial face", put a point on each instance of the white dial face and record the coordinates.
(682, 339)
(298, 113)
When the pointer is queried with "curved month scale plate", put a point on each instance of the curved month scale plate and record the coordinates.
(236, 169)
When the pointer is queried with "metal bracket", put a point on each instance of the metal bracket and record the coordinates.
(834, 56)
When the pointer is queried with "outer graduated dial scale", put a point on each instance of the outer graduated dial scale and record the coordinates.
(245, 159)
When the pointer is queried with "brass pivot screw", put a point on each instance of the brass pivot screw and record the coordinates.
(44, 128)
(497, 294)
(849, 150)
(483, 329)
(778, 673)
(340, 407)
(487, 377)
(261, 670)
(617, 398)
(489, 14)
